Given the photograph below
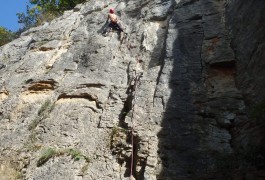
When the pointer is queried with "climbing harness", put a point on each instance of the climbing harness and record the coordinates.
(136, 81)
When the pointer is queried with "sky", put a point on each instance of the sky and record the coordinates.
(8, 11)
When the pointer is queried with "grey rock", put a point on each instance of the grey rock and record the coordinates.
(2, 66)
(181, 85)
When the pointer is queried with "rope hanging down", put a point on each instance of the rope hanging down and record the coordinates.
(136, 81)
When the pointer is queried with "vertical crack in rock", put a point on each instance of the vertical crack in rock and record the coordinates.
(128, 111)
(164, 52)
(139, 163)
(126, 108)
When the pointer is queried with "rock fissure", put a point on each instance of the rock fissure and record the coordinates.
(91, 85)
(42, 85)
(87, 96)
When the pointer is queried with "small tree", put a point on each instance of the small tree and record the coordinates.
(5, 35)
(45, 10)
(30, 18)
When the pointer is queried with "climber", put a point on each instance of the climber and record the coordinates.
(114, 23)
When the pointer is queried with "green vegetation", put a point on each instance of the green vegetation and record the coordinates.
(116, 131)
(30, 144)
(43, 113)
(34, 123)
(45, 11)
(37, 13)
(47, 107)
(75, 154)
(117, 134)
(46, 155)
(5, 36)
(118, 137)
(51, 152)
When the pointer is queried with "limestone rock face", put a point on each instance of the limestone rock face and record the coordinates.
(248, 42)
(172, 100)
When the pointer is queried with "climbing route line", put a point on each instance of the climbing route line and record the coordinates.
(136, 83)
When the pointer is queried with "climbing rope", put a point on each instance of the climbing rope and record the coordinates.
(136, 82)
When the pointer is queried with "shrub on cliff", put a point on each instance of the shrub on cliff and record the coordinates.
(44, 11)
(5, 36)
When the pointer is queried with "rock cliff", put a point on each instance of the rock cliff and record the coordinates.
(181, 97)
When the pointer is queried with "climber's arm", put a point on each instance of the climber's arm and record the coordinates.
(107, 20)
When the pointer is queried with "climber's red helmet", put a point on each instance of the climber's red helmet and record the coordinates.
(111, 10)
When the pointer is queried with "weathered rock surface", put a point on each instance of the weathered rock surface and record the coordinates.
(177, 93)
